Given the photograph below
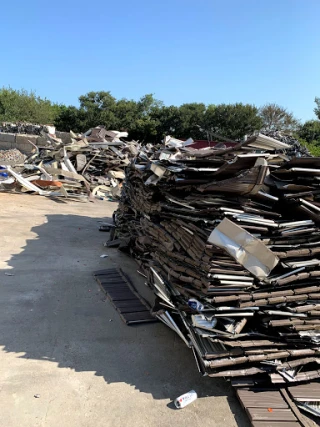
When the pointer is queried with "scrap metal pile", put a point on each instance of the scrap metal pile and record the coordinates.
(229, 240)
(90, 165)
(26, 128)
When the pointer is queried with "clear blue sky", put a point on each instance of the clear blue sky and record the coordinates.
(209, 51)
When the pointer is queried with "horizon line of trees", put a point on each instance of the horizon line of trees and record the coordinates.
(149, 120)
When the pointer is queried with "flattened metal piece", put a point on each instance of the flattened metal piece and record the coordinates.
(124, 297)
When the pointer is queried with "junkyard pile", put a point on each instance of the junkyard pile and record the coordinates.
(89, 165)
(229, 240)
(25, 128)
(11, 156)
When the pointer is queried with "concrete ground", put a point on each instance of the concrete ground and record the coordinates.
(66, 358)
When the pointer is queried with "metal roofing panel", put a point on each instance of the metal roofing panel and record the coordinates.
(262, 399)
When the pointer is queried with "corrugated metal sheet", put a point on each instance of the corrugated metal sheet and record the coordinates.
(262, 399)
(270, 406)
(124, 297)
(306, 392)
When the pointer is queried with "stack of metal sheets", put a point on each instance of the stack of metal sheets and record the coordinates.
(229, 239)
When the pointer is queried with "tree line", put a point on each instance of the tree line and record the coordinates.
(148, 119)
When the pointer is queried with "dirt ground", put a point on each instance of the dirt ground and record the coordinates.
(66, 358)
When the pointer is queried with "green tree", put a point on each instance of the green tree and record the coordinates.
(317, 108)
(167, 121)
(147, 104)
(191, 117)
(98, 109)
(233, 121)
(310, 131)
(126, 114)
(135, 117)
(275, 117)
(70, 118)
(313, 147)
(24, 106)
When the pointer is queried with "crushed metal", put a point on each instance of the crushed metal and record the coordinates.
(89, 166)
(238, 229)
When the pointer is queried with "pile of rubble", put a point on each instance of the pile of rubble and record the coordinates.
(91, 165)
(26, 128)
(296, 148)
(229, 240)
(12, 156)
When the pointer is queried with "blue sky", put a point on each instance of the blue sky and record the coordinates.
(211, 51)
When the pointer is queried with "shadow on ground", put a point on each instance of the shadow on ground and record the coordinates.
(52, 309)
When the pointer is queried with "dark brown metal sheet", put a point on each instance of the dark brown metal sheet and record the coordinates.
(142, 316)
(132, 309)
(262, 399)
(271, 406)
(270, 414)
(125, 304)
(306, 392)
(124, 297)
(275, 424)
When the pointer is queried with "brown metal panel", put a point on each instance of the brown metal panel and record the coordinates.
(141, 317)
(270, 414)
(262, 399)
(130, 305)
(133, 309)
(125, 304)
(114, 294)
(305, 392)
(123, 298)
(275, 424)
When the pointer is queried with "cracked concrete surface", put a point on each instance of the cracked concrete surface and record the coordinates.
(60, 339)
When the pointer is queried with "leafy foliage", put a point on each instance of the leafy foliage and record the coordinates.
(231, 120)
(313, 147)
(310, 131)
(148, 120)
(317, 108)
(21, 105)
(275, 117)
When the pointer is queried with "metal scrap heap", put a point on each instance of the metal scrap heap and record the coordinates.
(25, 128)
(229, 240)
(86, 166)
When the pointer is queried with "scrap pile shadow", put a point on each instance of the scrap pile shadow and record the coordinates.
(55, 311)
